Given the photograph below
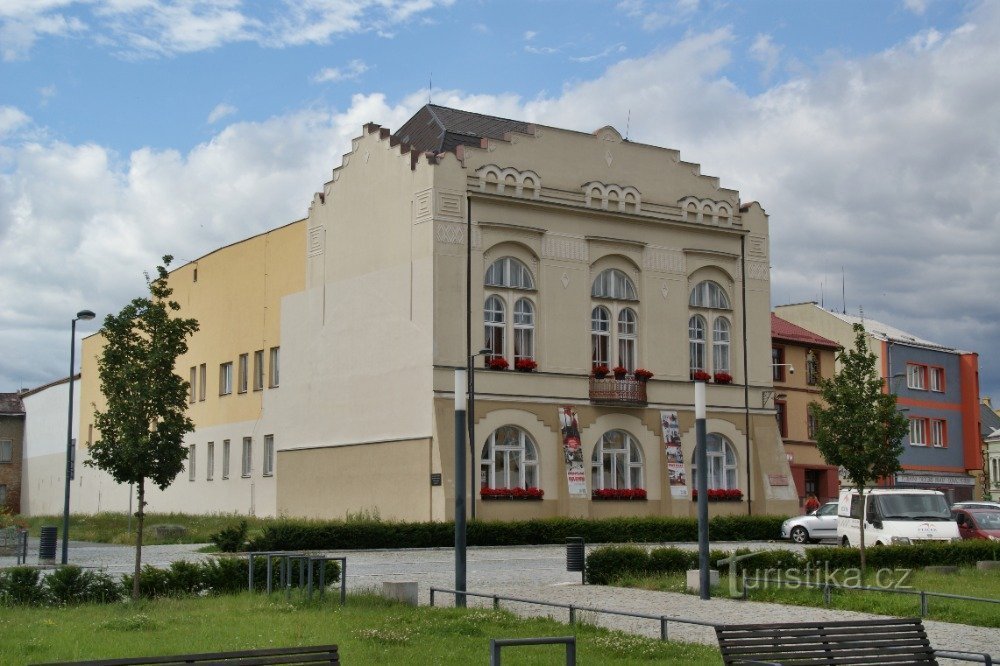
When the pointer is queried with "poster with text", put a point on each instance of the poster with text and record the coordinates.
(675, 455)
(576, 477)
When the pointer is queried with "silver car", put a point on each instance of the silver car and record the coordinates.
(820, 524)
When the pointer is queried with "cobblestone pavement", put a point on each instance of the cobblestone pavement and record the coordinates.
(539, 573)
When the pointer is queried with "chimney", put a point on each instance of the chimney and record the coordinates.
(986, 401)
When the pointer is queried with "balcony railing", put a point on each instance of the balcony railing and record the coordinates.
(628, 391)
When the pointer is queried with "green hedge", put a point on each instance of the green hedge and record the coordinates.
(605, 565)
(344, 535)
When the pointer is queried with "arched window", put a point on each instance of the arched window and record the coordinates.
(696, 337)
(617, 462)
(509, 459)
(600, 335)
(721, 463)
(613, 283)
(627, 332)
(493, 316)
(720, 345)
(708, 294)
(509, 273)
(524, 329)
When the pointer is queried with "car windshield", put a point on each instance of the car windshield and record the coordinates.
(987, 520)
(827, 509)
(901, 506)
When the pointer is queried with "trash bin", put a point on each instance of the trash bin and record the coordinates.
(47, 545)
(576, 556)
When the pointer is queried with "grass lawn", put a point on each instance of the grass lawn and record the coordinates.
(369, 630)
(968, 581)
(114, 527)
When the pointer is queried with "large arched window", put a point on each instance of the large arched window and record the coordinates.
(617, 462)
(721, 463)
(496, 327)
(613, 283)
(600, 336)
(720, 345)
(509, 459)
(708, 294)
(627, 332)
(696, 339)
(509, 273)
(524, 330)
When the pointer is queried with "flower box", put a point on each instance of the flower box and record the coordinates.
(723, 378)
(619, 494)
(721, 495)
(700, 376)
(600, 371)
(497, 363)
(642, 374)
(531, 493)
(619, 372)
(525, 365)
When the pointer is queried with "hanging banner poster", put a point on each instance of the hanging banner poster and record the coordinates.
(675, 455)
(576, 477)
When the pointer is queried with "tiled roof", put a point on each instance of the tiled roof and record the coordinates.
(440, 129)
(11, 405)
(789, 332)
(988, 419)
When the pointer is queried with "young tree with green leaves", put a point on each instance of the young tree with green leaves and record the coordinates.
(143, 426)
(859, 428)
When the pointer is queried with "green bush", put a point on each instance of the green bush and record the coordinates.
(21, 585)
(73, 585)
(231, 539)
(910, 557)
(605, 564)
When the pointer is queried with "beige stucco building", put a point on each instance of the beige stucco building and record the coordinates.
(586, 249)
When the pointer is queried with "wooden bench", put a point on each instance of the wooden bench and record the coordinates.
(859, 642)
(318, 654)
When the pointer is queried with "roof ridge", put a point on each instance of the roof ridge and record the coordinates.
(436, 119)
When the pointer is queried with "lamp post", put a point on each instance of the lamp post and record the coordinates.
(701, 480)
(461, 397)
(82, 315)
(472, 429)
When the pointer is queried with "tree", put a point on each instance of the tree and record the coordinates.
(859, 429)
(143, 426)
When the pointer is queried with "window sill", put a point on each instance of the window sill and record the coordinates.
(490, 498)
(268, 474)
(244, 476)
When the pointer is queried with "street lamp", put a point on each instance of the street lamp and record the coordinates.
(461, 398)
(82, 315)
(472, 427)
(701, 482)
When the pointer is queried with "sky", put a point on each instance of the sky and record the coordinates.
(869, 131)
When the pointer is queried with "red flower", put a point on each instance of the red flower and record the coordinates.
(642, 374)
(619, 371)
(700, 375)
(619, 494)
(600, 370)
(723, 378)
(497, 363)
(721, 494)
(525, 364)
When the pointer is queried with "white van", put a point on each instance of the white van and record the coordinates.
(894, 517)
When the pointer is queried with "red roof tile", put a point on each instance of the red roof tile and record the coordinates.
(789, 332)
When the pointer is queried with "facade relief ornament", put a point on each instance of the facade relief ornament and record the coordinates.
(565, 280)
(564, 248)
(707, 211)
(450, 233)
(608, 196)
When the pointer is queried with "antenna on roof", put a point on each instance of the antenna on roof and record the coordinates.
(843, 288)
(430, 86)
(628, 124)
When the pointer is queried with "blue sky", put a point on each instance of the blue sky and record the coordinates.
(133, 128)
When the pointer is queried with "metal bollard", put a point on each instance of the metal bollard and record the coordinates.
(663, 628)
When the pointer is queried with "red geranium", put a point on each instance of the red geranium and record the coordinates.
(700, 375)
(642, 374)
(619, 494)
(619, 371)
(600, 370)
(525, 364)
(497, 363)
(723, 378)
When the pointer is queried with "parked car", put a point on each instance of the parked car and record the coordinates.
(820, 524)
(894, 516)
(978, 523)
(976, 504)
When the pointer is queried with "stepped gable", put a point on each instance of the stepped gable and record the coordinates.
(440, 129)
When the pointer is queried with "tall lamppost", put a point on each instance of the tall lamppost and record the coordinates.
(82, 315)
(472, 428)
(701, 482)
(461, 397)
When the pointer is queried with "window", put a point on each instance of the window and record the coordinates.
(709, 294)
(509, 273)
(918, 432)
(3, 494)
(268, 455)
(509, 460)
(247, 456)
(210, 463)
(493, 315)
(916, 376)
(720, 345)
(524, 330)
(202, 381)
(812, 425)
(6, 450)
(995, 475)
(812, 368)
(225, 459)
(721, 463)
(613, 283)
(243, 373)
(191, 460)
(272, 378)
(777, 364)
(696, 338)
(781, 414)
(939, 433)
(617, 462)
(627, 332)
(193, 389)
(937, 379)
(226, 378)
(600, 336)
(258, 370)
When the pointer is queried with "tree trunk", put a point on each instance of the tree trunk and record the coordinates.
(864, 517)
(140, 516)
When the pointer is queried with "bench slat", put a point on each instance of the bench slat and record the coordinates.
(324, 654)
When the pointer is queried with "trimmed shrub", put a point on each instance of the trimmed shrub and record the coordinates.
(911, 557)
(231, 539)
(21, 585)
(605, 564)
(73, 585)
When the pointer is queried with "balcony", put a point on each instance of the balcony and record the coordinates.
(611, 391)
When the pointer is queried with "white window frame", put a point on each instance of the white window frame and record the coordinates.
(710, 295)
(721, 339)
(608, 458)
(226, 378)
(723, 465)
(935, 376)
(258, 370)
(614, 284)
(210, 461)
(192, 449)
(495, 325)
(273, 368)
(628, 339)
(268, 467)
(509, 273)
(916, 376)
(918, 431)
(697, 343)
(226, 454)
(600, 336)
(6, 451)
(246, 459)
(243, 373)
(202, 381)
(513, 451)
(939, 433)
(193, 393)
(524, 329)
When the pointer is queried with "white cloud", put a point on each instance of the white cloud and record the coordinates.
(767, 53)
(617, 48)
(918, 7)
(11, 119)
(655, 15)
(529, 35)
(221, 111)
(352, 71)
